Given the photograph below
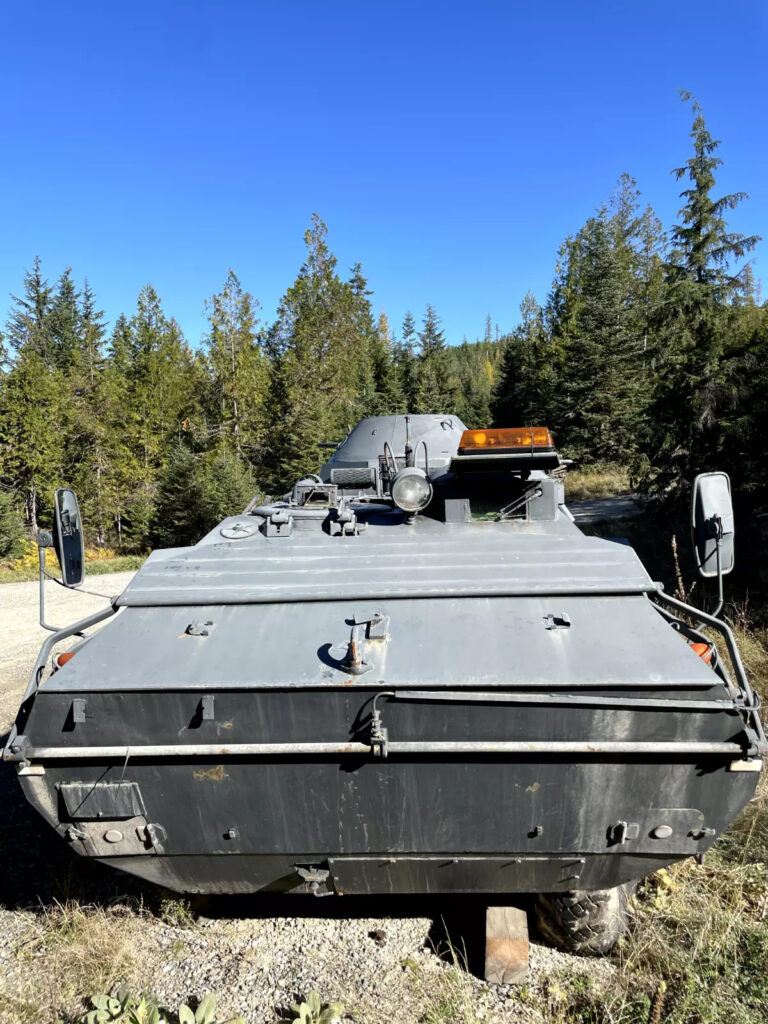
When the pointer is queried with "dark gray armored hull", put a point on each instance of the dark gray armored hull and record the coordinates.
(413, 707)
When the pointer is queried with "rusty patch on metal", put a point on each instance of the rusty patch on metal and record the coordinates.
(534, 786)
(216, 774)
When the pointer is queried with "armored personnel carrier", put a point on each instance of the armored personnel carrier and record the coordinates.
(412, 674)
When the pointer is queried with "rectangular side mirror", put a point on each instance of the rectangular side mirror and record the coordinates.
(68, 536)
(712, 523)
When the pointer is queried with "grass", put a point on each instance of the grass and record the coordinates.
(75, 951)
(121, 563)
(598, 481)
(446, 991)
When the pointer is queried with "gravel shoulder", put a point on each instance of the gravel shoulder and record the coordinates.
(598, 510)
(386, 959)
(21, 633)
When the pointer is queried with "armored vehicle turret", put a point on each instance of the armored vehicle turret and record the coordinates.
(412, 674)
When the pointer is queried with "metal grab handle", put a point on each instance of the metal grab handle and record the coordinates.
(582, 700)
(738, 666)
(393, 747)
(42, 658)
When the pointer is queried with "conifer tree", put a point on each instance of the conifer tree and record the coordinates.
(64, 321)
(31, 434)
(11, 526)
(431, 337)
(436, 387)
(238, 376)
(29, 324)
(93, 421)
(406, 364)
(317, 348)
(387, 396)
(526, 388)
(687, 425)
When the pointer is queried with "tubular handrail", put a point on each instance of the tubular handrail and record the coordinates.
(722, 627)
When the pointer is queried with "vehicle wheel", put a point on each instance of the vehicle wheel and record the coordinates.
(589, 923)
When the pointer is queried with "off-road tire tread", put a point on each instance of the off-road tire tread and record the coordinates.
(588, 923)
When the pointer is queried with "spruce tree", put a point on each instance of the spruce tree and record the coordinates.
(11, 526)
(526, 389)
(689, 415)
(318, 347)
(29, 324)
(178, 516)
(237, 372)
(31, 433)
(406, 364)
(431, 337)
(437, 388)
(64, 321)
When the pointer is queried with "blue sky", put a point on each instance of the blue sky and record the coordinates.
(449, 147)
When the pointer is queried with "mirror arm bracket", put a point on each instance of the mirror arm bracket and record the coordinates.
(41, 546)
(720, 597)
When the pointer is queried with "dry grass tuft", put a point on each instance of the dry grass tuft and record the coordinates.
(598, 481)
(76, 951)
(445, 991)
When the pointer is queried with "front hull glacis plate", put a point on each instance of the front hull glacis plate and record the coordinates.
(329, 694)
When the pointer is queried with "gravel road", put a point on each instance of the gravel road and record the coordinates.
(388, 960)
(598, 510)
(21, 633)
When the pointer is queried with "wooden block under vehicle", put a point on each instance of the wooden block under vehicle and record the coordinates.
(506, 946)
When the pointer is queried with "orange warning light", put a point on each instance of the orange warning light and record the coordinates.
(506, 438)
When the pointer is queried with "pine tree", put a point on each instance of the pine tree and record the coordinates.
(29, 324)
(238, 376)
(431, 337)
(406, 365)
(178, 517)
(687, 424)
(31, 434)
(437, 388)
(92, 421)
(597, 388)
(64, 321)
(525, 394)
(226, 487)
(387, 396)
(317, 349)
(11, 526)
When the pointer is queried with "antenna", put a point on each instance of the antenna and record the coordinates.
(409, 455)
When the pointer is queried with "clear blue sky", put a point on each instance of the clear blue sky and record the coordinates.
(448, 146)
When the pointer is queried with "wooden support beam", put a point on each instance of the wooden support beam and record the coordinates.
(506, 946)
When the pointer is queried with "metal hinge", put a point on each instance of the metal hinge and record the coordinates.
(345, 524)
(313, 878)
(279, 524)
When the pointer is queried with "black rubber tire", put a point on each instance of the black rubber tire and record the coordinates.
(587, 923)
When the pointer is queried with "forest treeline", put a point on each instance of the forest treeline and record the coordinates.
(650, 351)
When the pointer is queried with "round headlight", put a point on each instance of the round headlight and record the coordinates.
(411, 491)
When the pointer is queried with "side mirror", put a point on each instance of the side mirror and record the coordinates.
(68, 536)
(712, 523)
